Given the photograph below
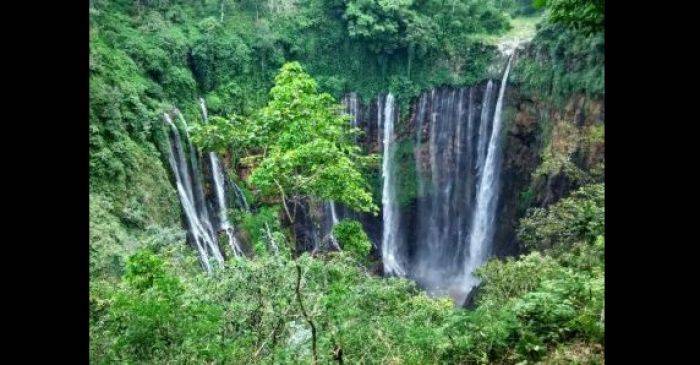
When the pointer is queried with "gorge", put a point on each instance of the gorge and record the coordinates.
(355, 181)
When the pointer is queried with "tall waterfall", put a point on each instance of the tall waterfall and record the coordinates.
(189, 188)
(220, 192)
(390, 249)
(451, 226)
(482, 225)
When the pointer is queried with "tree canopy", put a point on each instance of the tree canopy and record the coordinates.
(308, 145)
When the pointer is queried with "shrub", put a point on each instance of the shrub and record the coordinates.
(579, 217)
(352, 238)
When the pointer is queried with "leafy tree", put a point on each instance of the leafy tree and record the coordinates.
(308, 152)
(387, 25)
(308, 146)
(219, 133)
(584, 15)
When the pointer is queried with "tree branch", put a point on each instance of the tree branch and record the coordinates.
(284, 202)
(306, 316)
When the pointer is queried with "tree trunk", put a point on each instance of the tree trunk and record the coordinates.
(306, 316)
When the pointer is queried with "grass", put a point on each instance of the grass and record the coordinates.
(523, 29)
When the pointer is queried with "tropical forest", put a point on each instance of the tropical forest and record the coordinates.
(346, 181)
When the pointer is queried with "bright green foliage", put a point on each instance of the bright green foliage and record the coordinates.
(152, 317)
(266, 235)
(580, 217)
(562, 62)
(528, 306)
(352, 238)
(388, 25)
(512, 278)
(309, 145)
(566, 56)
(247, 314)
(219, 133)
(582, 15)
(418, 26)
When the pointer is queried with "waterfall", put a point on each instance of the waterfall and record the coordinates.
(196, 218)
(483, 127)
(351, 107)
(482, 225)
(220, 192)
(330, 212)
(334, 215)
(199, 198)
(241, 197)
(390, 252)
(450, 227)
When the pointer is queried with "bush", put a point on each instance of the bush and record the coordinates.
(352, 238)
(151, 317)
(579, 217)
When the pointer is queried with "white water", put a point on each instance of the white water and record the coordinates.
(334, 215)
(217, 174)
(221, 200)
(333, 222)
(199, 234)
(352, 107)
(483, 127)
(389, 208)
(199, 199)
(482, 225)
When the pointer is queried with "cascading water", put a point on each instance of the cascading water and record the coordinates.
(199, 197)
(196, 218)
(334, 215)
(482, 225)
(456, 154)
(352, 107)
(220, 192)
(390, 249)
(331, 219)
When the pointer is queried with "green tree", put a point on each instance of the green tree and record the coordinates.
(308, 152)
(385, 25)
(584, 15)
(307, 144)
(219, 133)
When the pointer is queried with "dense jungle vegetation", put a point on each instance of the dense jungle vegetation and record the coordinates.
(265, 68)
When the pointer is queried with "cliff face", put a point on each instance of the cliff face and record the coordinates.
(547, 150)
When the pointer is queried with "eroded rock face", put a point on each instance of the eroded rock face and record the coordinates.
(547, 151)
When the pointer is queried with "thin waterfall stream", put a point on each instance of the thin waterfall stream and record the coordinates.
(390, 249)
(201, 237)
(218, 178)
(189, 181)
